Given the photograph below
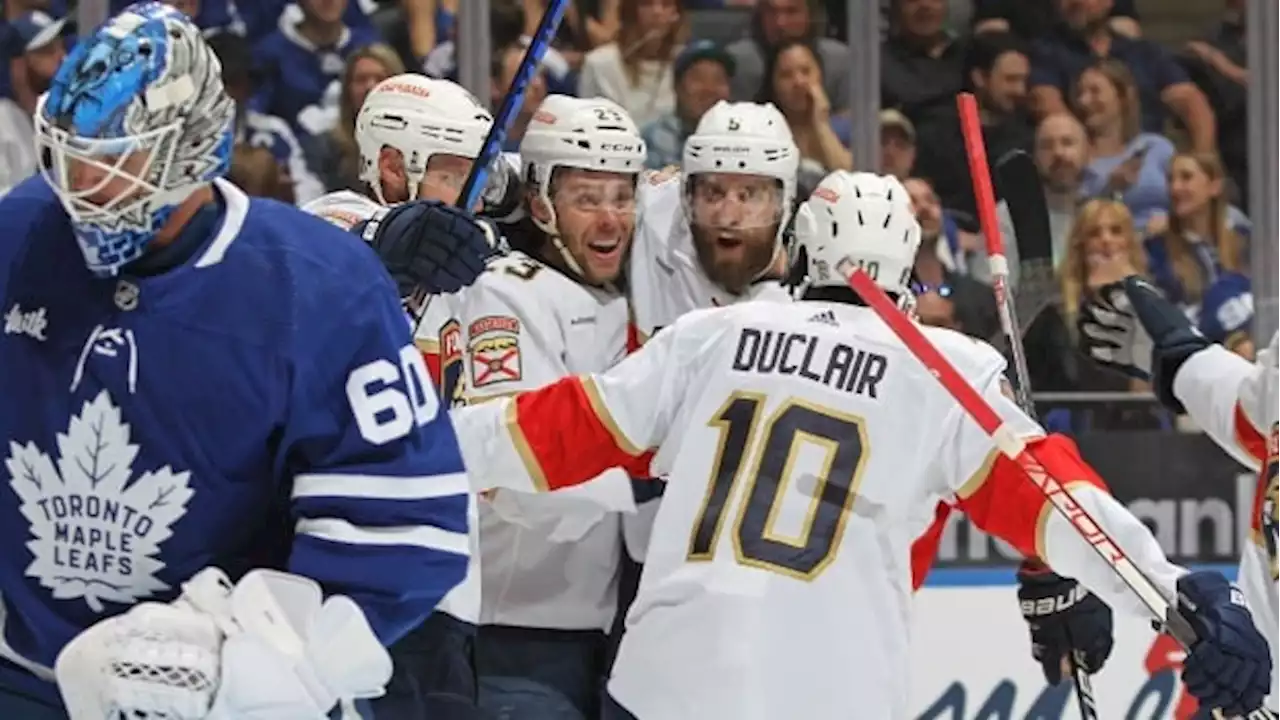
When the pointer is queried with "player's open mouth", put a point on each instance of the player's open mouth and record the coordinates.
(728, 242)
(606, 249)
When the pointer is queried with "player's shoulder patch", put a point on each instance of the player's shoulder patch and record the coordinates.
(493, 346)
(451, 386)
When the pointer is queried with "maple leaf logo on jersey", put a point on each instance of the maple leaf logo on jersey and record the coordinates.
(93, 537)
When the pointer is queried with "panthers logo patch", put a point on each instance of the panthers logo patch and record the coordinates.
(451, 385)
(494, 350)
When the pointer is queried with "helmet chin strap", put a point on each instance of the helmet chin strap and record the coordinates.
(549, 227)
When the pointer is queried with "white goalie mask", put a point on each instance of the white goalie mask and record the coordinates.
(859, 220)
(582, 133)
(421, 117)
(745, 139)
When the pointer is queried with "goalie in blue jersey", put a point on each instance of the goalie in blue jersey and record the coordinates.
(227, 480)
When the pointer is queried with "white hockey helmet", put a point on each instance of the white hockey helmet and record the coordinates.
(582, 133)
(746, 139)
(420, 117)
(859, 220)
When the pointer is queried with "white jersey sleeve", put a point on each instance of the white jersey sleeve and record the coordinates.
(1002, 500)
(1236, 404)
(1233, 400)
(614, 418)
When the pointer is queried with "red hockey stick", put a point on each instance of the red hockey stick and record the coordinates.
(984, 195)
(1161, 607)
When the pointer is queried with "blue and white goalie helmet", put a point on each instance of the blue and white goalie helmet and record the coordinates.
(135, 120)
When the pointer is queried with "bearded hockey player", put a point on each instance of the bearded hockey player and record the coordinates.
(714, 235)
(1132, 328)
(805, 449)
(418, 138)
(557, 308)
(196, 383)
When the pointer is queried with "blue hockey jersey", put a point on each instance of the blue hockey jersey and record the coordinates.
(261, 405)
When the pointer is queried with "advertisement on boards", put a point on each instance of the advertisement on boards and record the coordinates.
(971, 660)
(971, 654)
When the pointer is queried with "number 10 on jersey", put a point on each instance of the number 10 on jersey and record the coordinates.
(782, 436)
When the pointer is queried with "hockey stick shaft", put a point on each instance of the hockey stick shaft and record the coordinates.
(1026, 457)
(474, 184)
(512, 102)
(998, 264)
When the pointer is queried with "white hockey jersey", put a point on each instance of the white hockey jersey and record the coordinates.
(805, 450)
(665, 278)
(1235, 402)
(549, 561)
(347, 209)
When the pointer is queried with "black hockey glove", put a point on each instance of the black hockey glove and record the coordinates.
(1131, 327)
(1065, 619)
(1229, 665)
(429, 247)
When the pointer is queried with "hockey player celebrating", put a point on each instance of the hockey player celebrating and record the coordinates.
(1132, 328)
(418, 138)
(195, 382)
(714, 235)
(805, 449)
(549, 562)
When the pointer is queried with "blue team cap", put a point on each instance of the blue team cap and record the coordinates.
(34, 31)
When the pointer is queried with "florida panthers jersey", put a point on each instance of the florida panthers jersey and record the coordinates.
(665, 277)
(805, 449)
(347, 209)
(548, 561)
(1236, 402)
(259, 405)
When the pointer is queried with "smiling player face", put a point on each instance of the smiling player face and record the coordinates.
(595, 216)
(734, 219)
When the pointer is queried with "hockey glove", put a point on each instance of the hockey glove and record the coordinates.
(430, 247)
(1229, 666)
(1131, 327)
(1065, 620)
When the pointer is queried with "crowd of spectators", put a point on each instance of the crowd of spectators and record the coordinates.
(1140, 147)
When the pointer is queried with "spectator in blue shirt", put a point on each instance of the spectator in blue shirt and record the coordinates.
(702, 74)
(211, 16)
(1086, 37)
(1205, 238)
(263, 17)
(301, 63)
(11, 85)
(258, 130)
(1125, 163)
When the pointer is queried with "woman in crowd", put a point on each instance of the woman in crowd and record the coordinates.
(337, 159)
(1200, 258)
(635, 70)
(1125, 163)
(1103, 247)
(793, 83)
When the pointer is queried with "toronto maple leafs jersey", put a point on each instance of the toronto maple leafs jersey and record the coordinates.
(805, 449)
(258, 405)
(348, 210)
(1236, 403)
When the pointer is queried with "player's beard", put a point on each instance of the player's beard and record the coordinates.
(733, 268)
